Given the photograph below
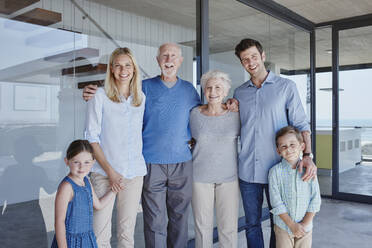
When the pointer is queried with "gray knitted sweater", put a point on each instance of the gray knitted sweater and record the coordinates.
(215, 156)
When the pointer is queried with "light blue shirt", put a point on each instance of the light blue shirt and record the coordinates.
(263, 111)
(117, 127)
(290, 194)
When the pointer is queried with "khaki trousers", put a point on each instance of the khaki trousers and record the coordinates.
(225, 196)
(127, 205)
(286, 240)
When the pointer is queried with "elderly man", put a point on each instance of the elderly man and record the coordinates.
(167, 187)
(267, 103)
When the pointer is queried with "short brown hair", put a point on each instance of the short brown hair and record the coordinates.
(286, 130)
(78, 146)
(245, 44)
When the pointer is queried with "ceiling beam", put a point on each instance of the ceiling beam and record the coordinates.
(280, 12)
(327, 69)
(346, 23)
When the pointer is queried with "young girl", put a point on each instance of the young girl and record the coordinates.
(75, 200)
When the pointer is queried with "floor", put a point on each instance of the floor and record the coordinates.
(356, 180)
(339, 224)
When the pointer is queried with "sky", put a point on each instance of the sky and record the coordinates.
(355, 100)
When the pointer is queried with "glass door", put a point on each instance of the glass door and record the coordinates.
(353, 129)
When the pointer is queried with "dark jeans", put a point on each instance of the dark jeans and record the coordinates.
(252, 196)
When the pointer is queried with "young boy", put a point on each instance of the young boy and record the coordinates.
(294, 202)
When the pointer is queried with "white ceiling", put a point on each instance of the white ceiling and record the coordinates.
(179, 12)
(230, 21)
(319, 11)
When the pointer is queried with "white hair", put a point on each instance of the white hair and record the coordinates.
(216, 74)
(170, 44)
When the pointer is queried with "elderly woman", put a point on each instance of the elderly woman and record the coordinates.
(215, 130)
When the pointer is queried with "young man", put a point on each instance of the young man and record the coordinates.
(294, 201)
(267, 103)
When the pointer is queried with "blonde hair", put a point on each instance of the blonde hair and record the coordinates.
(135, 86)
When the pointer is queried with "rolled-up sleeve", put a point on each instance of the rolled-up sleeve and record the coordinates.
(94, 119)
(315, 200)
(277, 204)
(296, 112)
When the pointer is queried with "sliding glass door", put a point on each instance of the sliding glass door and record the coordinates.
(352, 178)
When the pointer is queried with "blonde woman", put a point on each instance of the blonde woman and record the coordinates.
(114, 128)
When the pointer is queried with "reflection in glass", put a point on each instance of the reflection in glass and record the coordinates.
(41, 108)
(22, 182)
(287, 49)
(355, 116)
(30, 158)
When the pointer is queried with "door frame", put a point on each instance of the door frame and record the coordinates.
(349, 23)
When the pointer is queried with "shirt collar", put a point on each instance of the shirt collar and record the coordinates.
(269, 79)
(129, 100)
(288, 165)
(160, 80)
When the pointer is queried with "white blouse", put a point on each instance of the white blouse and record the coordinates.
(117, 127)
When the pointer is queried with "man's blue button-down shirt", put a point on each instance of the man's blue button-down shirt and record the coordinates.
(263, 111)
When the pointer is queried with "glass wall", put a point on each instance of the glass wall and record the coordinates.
(324, 109)
(355, 116)
(49, 50)
(287, 48)
(354, 119)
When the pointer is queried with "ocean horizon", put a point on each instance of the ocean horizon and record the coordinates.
(366, 124)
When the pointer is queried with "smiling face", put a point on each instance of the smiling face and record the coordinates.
(122, 69)
(80, 165)
(290, 148)
(215, 91)
(169, 60)
(253, 61)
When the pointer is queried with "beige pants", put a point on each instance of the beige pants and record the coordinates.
(226, 198)
(127, 205)
(286, 240)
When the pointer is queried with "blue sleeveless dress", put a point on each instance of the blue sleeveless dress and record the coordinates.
(79, 217)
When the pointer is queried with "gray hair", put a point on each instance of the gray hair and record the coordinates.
(216, 74)
(169, 44)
